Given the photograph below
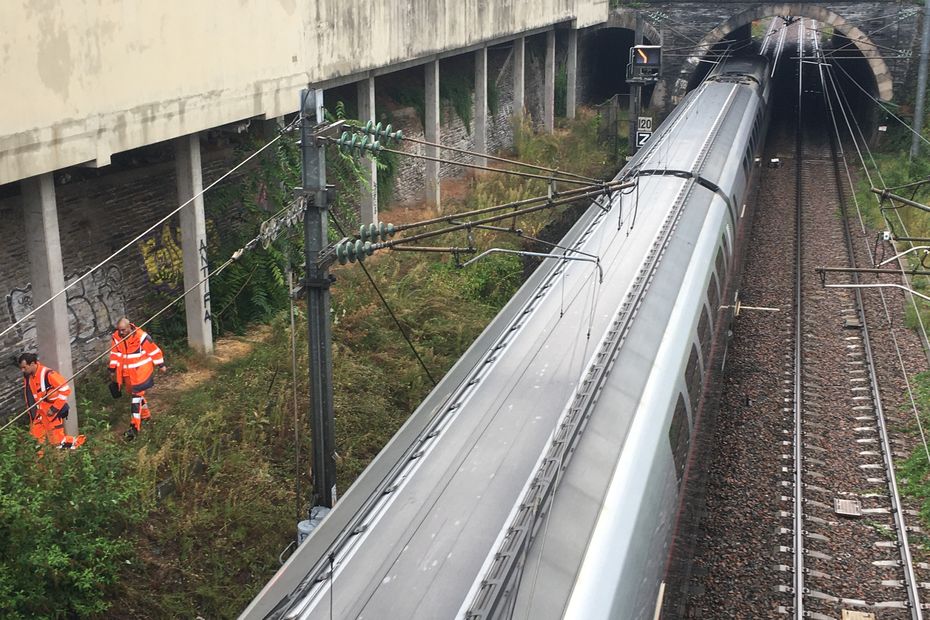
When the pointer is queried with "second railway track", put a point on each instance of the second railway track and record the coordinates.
(807, 413)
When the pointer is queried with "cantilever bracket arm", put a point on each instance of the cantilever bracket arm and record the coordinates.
(880, 285)
(904, 253)
(887, 195)
(823, 271)
(595, 260)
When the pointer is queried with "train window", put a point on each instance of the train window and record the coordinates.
(713, 294)
(704, 334)
(679, 435)
(721, 265)
(693, 380)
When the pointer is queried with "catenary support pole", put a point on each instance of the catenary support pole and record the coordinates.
(635, 89)
(194, 243)
(366, 112)
(571, 71)
(922, 63)
(43, 244)
(549, 83)
(481, 104)
(431, 131)
(316, 283)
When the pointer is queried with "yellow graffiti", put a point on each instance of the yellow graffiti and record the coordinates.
(164, 261)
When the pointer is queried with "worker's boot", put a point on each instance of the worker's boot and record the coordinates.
(130, 433)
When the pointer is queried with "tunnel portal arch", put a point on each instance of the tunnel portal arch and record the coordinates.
(883, 79)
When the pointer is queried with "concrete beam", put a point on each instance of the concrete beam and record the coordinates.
(431, 132)
(549, 83)
(366, 112)
(43, 244)
(481, 104)
(519, 76)
(571, 69)
(194, 244)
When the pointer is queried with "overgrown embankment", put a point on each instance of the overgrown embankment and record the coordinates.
(889, 166)
(190, 518)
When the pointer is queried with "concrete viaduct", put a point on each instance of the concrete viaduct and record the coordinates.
(84, 82)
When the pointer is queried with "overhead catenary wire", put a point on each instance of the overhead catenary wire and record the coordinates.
(843, 105)
(486, 156)
(877, 102)
(148, 230)
(463, 164)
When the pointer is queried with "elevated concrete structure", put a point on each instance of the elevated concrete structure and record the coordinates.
(194, 244)
(549, 83)
(481, 104)
(431, 131)
(519, 75)
(93, 80)
(366, 112)
(43, 243)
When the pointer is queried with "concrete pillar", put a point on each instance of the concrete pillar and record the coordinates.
(519, 75)
(571, 69)
(431, 129)
(549, 83)
(366, 112)
(481, 104)
(43, 244)
(194, 244)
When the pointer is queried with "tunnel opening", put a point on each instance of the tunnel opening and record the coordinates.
(607, 52)
(772, 36)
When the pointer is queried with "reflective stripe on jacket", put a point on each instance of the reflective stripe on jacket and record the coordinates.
(134, 358)
(45, 389)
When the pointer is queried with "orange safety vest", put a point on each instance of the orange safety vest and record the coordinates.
(45, 389)
(134, 359)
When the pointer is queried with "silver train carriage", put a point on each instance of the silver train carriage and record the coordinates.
(542, 477)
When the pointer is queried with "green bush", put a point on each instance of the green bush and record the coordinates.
(65, 521)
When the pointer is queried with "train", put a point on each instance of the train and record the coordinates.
(551, 473)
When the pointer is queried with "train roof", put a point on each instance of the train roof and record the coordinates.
(741, 67)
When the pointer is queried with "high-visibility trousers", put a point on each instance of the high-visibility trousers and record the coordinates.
(139, 409)
(47, 429)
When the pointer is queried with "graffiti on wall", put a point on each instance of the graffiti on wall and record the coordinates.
(164, 260)
(94, 306)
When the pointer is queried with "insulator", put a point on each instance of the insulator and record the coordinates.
(385, 231)
(342, 253)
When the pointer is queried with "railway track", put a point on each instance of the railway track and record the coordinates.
(849, 539)
(803, 478)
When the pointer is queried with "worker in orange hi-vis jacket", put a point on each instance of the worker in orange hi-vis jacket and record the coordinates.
(133, 359)
(46, 393)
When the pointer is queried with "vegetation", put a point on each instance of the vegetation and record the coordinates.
(190, 518)
(889, 166)
(67, 520)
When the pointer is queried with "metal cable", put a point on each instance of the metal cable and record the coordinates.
(147, 231)
(252, 244)
(387, 306)
(842, 105)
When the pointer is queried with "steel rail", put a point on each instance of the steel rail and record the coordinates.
(907, 562)
(798, 588)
